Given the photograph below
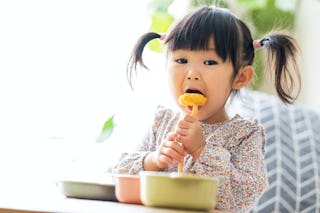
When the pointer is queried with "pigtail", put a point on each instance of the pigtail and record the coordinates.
(282, 50)
(136, 55)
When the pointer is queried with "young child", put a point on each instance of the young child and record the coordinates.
(210, 51)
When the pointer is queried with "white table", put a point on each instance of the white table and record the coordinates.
(72, 205)
(26, 193)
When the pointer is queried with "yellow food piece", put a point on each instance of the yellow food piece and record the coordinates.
(192, 99)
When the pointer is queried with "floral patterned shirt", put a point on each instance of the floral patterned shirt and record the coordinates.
(234, 152)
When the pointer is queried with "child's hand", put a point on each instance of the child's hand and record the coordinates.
(189, 133)
(169, 152)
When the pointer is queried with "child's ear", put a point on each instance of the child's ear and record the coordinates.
(243, 78)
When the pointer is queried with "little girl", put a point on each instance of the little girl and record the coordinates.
(210, 51)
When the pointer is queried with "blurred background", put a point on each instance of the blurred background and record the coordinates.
(63, 74)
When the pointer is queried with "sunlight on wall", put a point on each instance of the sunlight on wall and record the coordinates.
(308, 32)
(63, 66)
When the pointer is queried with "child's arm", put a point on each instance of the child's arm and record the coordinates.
(158, 150)
(130, 163)
(168, 153)
(239, 161)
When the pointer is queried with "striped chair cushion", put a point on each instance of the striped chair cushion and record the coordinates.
(292, 152)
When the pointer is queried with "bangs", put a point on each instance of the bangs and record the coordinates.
(195, 31)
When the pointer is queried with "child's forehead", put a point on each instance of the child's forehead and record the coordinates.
(211, 44)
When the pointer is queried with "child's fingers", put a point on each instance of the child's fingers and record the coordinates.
(178, 147)
(165, 160)
(181, 132)
(172, 136)
(173, 150)
(188, 118)
(184, 124)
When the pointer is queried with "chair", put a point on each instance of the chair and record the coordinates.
(292, 152)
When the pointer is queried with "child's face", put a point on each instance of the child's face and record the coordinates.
(203, 71)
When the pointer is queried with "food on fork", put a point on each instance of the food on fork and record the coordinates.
(194, 100)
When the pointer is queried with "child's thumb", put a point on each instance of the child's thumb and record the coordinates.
(172, 136)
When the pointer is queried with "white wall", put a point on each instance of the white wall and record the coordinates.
(62, 74)
(308, 32)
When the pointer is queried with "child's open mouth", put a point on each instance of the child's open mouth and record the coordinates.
(194, 91)
(189, 108)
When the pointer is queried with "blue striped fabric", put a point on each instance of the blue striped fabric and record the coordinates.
(292, 152)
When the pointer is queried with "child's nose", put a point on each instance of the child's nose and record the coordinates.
(192, 75)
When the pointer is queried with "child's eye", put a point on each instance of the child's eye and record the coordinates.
(182, 61)
(210, 62)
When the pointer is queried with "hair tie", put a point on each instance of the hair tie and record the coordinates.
(257, 44)
(265, 42)
(163, 37)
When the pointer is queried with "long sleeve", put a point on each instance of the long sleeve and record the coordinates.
(164, 123)
(237, 158)
(132, 163)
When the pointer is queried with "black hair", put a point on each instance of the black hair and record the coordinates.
(233, 41)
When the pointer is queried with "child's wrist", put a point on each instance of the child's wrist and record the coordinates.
(197, 153)
(149, 164)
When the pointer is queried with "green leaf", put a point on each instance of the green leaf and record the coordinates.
(156, 46)
(252, 4)
(107, 130)
(160, 23)
(197, 3)
(159, 5)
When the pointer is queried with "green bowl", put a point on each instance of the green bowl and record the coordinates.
(87, 190)
(178, 190)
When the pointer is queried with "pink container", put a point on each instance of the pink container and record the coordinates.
(127, 188)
